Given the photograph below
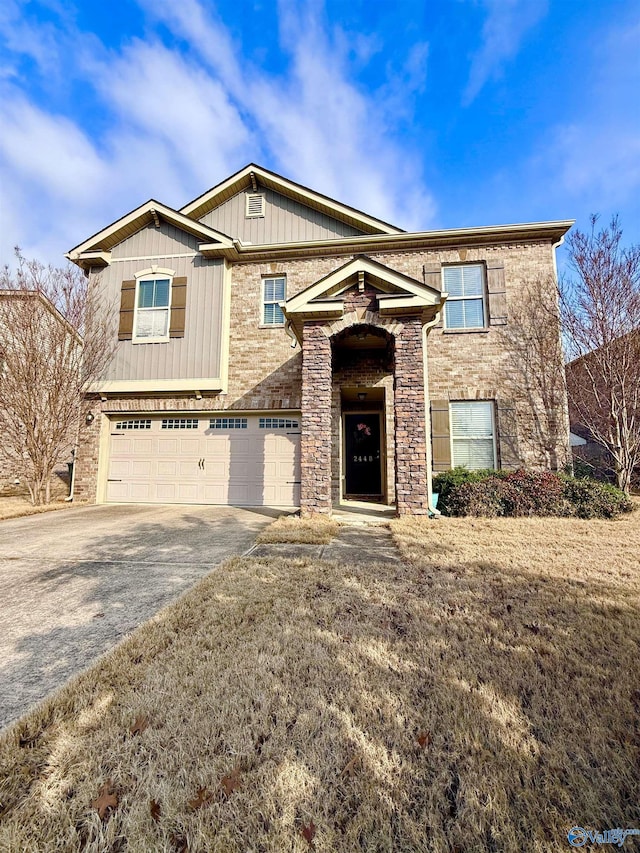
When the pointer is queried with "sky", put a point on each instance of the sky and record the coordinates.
(425, 113)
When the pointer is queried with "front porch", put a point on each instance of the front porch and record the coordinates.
(365, 423)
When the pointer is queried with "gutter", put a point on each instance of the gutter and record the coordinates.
(433, 512)
(485, 235)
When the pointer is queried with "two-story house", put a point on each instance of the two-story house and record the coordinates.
(277, 347)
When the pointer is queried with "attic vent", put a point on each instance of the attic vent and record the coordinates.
(255, 204)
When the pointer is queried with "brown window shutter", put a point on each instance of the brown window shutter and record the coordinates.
(440, 435)
(432, 273)
(127, 306)
(178, 307)
(508, 434)
(497, 293)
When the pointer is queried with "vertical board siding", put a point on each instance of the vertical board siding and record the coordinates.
(198, 353)
(151, 241)
(285, 221)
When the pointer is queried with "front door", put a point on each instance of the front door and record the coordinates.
(363, 463)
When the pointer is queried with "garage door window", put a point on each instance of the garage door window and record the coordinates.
(228, 423)
(180, 423)
(134, 424)
(278, 423)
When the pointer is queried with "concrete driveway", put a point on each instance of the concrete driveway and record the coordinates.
(75, 582)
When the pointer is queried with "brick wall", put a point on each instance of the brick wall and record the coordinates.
(266, 373)
(315, 449)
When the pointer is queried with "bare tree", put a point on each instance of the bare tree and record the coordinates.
(55, 341)
(601, 315)
(534, 369)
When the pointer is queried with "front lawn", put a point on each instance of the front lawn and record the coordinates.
(484, 694)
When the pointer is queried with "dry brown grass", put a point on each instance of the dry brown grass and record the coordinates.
(17, 506)
(15, 502)
(481, 696)
(313, 530)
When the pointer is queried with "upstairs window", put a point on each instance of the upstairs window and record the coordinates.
(273, 291)
(153, 297)
(472, 434)
(465, 308)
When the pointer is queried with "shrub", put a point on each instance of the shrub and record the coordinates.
(533, 493)
(479, 497)
(447, 482)
(521, 493)
(592, 499)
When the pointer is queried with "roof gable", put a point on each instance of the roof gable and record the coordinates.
(254, 177)
(96, 249)
(398, 294)
(282, 220)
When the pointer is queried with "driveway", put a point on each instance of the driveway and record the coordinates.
(75, 582)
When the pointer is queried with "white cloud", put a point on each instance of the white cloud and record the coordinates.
(179, 115)
(601, 161)
(157, 93)
(316, 125)
(504, 29)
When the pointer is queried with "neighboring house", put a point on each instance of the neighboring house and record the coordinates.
(592, 401)
(278, 347)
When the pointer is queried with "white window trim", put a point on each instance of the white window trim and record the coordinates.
(278, 302)
(485, 305)
(477, 437)
(248, 199)
(148, 275)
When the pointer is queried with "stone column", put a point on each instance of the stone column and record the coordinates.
(316, 421)
(411, 438)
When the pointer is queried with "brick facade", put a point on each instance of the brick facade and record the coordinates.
(411, 439)
(316, 421)
(266, 373)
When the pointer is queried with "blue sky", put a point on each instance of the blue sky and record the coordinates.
(426, 113)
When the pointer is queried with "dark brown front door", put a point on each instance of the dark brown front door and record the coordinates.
(363, 466)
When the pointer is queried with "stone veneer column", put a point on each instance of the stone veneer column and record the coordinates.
(411, 439)
(316, 421)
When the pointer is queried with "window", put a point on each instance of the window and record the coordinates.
(472, 434)
(277, 423)
(179, 423)
(464, 309)
(153, 296)
(273, 291)
(255, 205)
(137, 423)
(228, 423)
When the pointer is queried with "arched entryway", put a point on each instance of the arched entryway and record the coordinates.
(362, 424)
(362, 331)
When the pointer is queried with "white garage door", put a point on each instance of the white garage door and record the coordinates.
(219, 459)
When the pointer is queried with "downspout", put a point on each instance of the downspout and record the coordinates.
(74, 454)
(427, 411)
(569, 453)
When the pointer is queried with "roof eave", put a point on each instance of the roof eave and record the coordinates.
(459, 237)
(151, 211)
(242, 179)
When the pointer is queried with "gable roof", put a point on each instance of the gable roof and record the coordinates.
(398, 294)
(253, 177)
(95, 250)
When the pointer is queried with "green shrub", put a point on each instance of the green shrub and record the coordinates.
(480, 497)
(592, 499)
(447, 482)
(521, 493)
